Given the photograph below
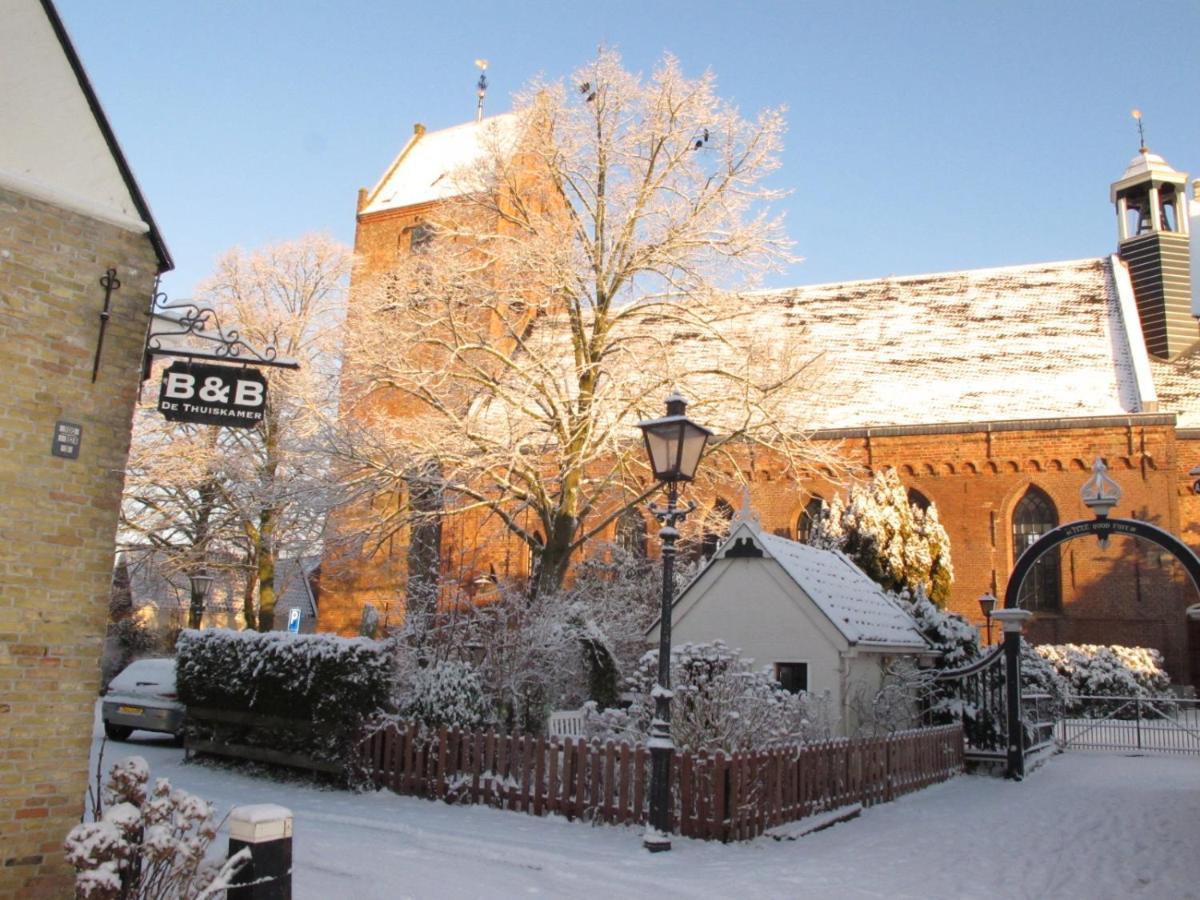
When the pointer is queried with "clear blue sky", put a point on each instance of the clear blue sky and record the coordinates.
(923, 136)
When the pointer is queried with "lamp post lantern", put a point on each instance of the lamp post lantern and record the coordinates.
(201, 584)
(986, 604)
(674, 445)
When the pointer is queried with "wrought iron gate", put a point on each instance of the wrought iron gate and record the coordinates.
(1132, 724)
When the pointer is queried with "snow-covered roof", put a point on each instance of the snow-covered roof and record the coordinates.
(1045, 341)
(1178, 385)
(435, 165)
(853, 603)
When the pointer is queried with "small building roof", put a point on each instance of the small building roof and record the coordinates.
(855, 605)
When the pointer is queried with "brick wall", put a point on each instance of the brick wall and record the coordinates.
(59, 515)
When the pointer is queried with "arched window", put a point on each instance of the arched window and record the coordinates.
(716, 527)
(808, 518)
(631, 533)
(917, 499)
(1034, 516)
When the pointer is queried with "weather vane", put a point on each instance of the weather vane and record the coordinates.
(1137, 114)
(481, 88)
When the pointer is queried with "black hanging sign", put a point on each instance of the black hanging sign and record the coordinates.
(213, 395)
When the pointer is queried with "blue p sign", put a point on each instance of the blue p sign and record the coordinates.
(294, 620)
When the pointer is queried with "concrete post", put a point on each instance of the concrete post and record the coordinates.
(266, 829)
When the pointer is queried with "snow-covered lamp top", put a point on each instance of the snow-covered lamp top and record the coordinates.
(1100, 493)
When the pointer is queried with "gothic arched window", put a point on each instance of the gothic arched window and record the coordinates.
(917, 499)
(716, 527)
(1033, 517)
(631, 533)
(808, 518)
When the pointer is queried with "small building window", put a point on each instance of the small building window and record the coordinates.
(792, 676)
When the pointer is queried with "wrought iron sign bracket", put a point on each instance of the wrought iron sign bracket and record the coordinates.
(198, 323)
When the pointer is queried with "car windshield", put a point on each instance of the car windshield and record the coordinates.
(157, 673)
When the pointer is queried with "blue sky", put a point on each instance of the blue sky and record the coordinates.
(923, 136)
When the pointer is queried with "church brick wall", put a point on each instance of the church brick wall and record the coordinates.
(60, 515)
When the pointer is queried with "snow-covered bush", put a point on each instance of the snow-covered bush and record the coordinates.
(1113, 671)
(147, 843)
(899, 545)
(446, 694)
(897, 704)
(719, 703)
(330, 682)
(949, 633)
(537, 654)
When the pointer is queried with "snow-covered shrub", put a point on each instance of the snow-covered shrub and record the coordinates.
(899, 545)
(537, 654)
(719, 702)
(1093, 670)
(446, 694)
(147, 843)
(897, 704)
(949, 633)
(330, 682)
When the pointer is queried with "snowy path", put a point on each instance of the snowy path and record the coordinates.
(1084, 825)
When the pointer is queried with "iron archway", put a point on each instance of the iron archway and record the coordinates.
(1103, 528)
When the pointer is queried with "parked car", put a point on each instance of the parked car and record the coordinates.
(143, 696)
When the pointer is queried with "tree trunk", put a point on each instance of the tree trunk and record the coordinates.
(266, 570)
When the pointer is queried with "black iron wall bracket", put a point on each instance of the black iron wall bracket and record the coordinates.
(110, 283)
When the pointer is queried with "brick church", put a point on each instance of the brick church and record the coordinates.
(989, 391)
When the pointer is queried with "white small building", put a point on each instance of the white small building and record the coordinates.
(810, 615)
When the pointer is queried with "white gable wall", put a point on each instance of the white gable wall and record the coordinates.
(753, 606)
(52, 148)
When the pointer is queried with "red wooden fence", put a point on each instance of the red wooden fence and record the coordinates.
(717, 796)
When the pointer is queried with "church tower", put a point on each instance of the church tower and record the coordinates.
(1153, 239)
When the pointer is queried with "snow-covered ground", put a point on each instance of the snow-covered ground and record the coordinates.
(1083, 825)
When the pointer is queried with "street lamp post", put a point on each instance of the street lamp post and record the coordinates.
(674, 444)
(201, 584)
(986, 604)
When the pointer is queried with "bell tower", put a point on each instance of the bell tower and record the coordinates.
(1153, 239)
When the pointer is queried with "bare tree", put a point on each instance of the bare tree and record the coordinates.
(204, 494)
(587, 265)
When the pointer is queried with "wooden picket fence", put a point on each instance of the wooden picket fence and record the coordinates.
(717, 796)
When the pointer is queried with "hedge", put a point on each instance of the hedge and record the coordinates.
(331, 682)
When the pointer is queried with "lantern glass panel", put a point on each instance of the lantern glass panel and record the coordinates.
(694, 440)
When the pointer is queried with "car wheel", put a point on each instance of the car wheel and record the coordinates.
(117, 732)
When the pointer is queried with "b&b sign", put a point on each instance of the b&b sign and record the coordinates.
(213, 395)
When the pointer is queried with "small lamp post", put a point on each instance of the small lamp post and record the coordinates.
(986, 604)
(674, 444)
(1100, 494)
(201, 584)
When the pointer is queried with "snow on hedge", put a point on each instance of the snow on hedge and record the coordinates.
(1094, 670)
(333, 682)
